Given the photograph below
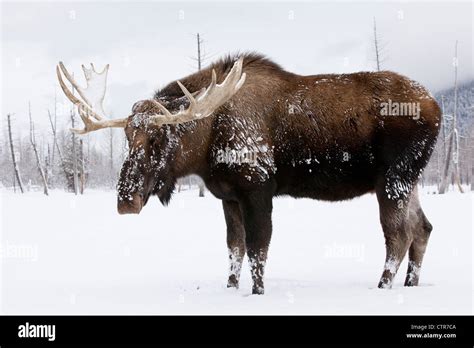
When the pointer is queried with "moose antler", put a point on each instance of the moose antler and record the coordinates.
(90, 107)
(201, 104)
(204, 103)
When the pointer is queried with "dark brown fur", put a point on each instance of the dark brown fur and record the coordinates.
(320, 137)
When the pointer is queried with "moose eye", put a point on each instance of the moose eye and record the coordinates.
(137, 105)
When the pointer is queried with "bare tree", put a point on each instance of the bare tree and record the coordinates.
(82, 173)
(443, 124)
(202, 188)
(75, 172)
(56, 145)
(201, 57)
(74, 155)
(199, 60)
(47, 163)
(472, 162)
(452, 154)
(378, 47)
(124, 152)
(111, 156)
(55, 119)
(35, 150)
(12, 150)
(14, 182)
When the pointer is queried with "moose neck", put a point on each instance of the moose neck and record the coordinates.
(191, 154)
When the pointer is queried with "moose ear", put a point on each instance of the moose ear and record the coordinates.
(144, 106)
(137, 106)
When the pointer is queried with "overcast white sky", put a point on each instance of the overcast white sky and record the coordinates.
(149, 44)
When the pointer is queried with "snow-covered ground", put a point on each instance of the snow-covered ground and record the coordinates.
(75, 255)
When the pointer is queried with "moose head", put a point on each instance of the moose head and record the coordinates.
(148, 129)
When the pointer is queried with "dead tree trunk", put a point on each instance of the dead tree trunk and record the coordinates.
(199, 60)
(111, 157)
(55, 118)
(201, 189)
(447, 166)
(443, 125)
(472, 177)
(376, 45)
(56, 145)
(199, 42)
(457, 174)
(453, 145)
(455, 129)
(47, 164)
(12, 150)
(35, 150)
(14, 181)
(438, 170)
(82, 172)
(74, 156)
(470, 155)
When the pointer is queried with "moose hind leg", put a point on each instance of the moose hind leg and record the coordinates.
(421, 229)
(394, 221)
(235, 241)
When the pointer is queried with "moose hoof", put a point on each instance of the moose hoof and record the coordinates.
(411, 282)
(385, 284)
(233, 282)
(258, 290)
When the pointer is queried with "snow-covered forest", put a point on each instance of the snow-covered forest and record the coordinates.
(465, 127)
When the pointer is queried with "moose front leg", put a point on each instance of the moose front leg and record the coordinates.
(257, 216)
(235, 241)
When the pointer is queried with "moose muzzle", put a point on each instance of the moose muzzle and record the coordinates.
(130, 206)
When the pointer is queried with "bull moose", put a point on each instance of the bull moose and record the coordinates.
(328, 137)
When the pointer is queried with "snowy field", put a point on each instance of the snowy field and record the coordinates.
(75, 255)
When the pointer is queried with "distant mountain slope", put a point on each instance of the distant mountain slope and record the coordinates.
(465, 103)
